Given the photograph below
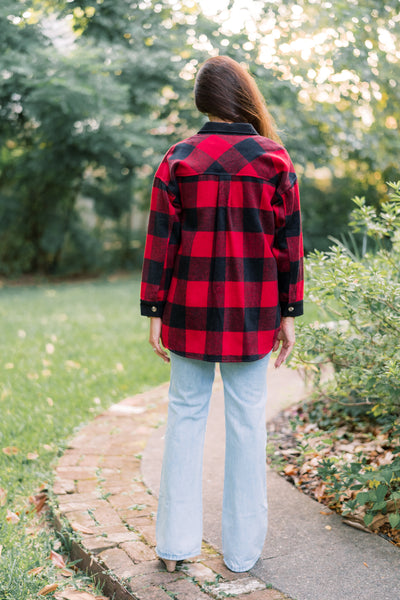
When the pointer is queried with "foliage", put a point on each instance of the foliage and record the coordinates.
(340, 110)
(67, 353)
(351, 466)
(365, 491)
(92, 93)
(361, 293)
(364, 293)
(76, 122)
(345, 63)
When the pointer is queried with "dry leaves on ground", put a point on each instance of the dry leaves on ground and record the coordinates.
(48, 589)
(10, 450)
(300, 452)
(12, 517)
(80, 528)
(32, 455)
(39, 501)
(35, 571)
(57, 560)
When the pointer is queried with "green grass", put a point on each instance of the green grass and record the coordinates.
(67, 352)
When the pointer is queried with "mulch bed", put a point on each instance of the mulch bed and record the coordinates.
(296, 446)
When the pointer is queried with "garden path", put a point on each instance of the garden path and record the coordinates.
(106, 487)
(310, 554)
(109, 514)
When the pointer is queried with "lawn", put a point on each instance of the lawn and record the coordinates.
(68, 351)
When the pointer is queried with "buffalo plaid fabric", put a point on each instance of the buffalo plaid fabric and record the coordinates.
(223, 254)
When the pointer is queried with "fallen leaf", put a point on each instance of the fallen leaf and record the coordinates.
(385, 459)
(57, 560)
(32, 376)
(32, 456)
(39, 500)
(3, 496)
(72, 364)
(48, 589)
(12, 517)
(50, 401)
(351, 521)
(290, 470)
(10, 450)
(80, 528)
(50, 348)
(67, 573)
(305, 468)
(35, 571)
(365, 565)
(325, 512)
(9, 366)
(319, 491)
(328, 527)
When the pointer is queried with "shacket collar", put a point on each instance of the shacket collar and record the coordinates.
(228, 128)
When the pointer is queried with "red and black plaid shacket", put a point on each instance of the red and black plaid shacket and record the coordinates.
(223, 254)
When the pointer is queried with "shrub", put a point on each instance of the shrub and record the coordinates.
(358, 338)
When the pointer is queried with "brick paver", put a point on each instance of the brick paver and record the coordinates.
(102, 498)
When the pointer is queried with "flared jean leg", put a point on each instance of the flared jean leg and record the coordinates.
(179, 525)
(244, 517)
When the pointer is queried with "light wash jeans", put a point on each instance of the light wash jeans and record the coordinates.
(244, 515)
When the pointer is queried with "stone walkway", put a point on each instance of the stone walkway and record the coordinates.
(110, 513)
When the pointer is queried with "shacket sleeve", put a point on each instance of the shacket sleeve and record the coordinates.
(163, 236)
(288, 245)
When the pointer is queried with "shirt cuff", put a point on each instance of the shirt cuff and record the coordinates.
(151, 309)
(291, 309)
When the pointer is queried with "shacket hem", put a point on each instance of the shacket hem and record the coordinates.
(221, 358)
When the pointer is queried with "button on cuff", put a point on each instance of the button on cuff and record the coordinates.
(151, 309)
(295, 309)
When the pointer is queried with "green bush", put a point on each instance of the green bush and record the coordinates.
(357, 341)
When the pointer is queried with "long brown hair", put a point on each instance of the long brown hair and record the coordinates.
(226, 90)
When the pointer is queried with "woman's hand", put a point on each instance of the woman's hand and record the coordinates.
(287, 336)
(155, 338)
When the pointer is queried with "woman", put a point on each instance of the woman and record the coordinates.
(222, 282)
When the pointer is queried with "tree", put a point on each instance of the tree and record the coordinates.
(342, 111)
(91, 118)
(88, 119)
